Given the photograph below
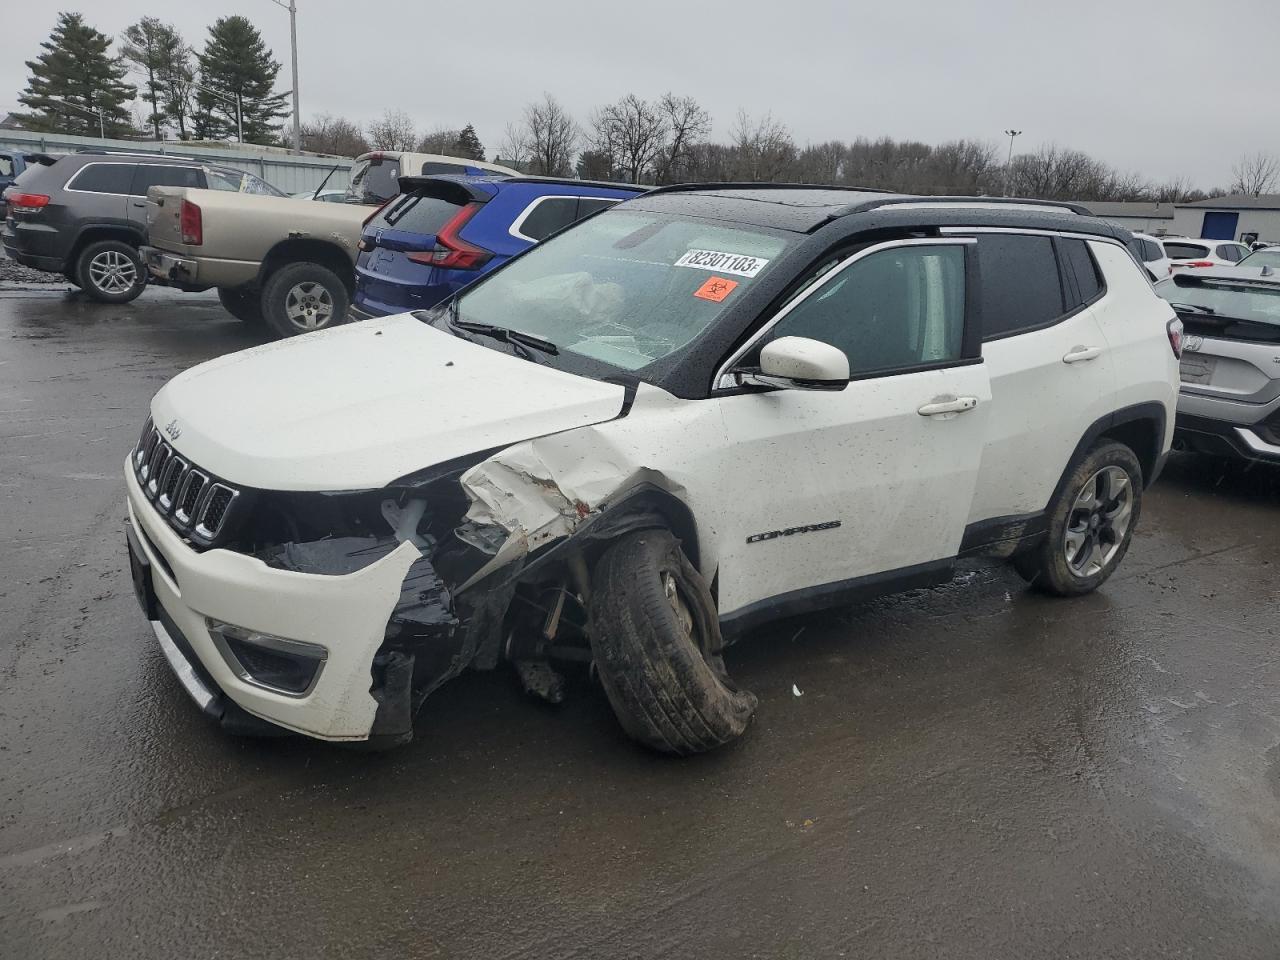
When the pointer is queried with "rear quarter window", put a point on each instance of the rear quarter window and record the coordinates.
(1079, 262)
(103, 178)
(1231, 252)
(1021, 288)
(1151, 251)
(546, 215)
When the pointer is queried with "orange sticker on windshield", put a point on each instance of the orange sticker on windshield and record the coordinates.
(715, 289)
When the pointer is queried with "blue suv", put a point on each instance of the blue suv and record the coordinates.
(442, 232)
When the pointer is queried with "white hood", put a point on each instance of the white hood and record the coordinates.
(363, 404)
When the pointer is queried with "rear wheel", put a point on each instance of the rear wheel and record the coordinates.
(304, 297)
(110, 271)
(245, 304)
(655, 636)
(1091, 523)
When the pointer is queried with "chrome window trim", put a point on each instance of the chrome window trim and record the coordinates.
(724, 380)
(1072, 234)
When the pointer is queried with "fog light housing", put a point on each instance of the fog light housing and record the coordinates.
(278, 664)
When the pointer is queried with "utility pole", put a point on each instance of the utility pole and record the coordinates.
(1008, 165)
(87, 111)
(292, 7)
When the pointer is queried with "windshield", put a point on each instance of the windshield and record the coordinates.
(1223, 299)
(625, 288)
(374, 180)
(1262, 258)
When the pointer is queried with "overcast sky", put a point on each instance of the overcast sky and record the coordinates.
(1162, 89)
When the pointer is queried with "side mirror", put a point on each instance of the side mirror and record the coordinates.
(799, 363)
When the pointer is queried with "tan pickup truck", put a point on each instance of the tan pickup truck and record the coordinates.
(289, 263)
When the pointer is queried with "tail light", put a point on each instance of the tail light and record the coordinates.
(1199, 263)
(1175, 337)
(190, 224)
(27, 202)
(452, 252)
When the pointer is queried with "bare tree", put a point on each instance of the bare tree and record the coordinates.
(513, 151)
(393, 131)
(1177, 190)
(336, 135)
(687, 125)
(440, 140)
(551, 136)
(1255, 174)
(764, 149)
(632, 132)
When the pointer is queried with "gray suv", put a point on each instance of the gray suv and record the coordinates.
(86, 215)
(1229, 403)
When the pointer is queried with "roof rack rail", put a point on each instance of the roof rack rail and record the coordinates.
(574, 182)
(756, 185)
(1077, 208)
(182, 157)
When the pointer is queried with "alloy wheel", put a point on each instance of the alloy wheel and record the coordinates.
(113, 272)
(308, 306)
(1098, 522)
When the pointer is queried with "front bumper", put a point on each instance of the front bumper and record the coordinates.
(346, 615)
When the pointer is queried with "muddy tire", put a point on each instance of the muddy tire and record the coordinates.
(245, 304)
(656, 640)
(110, 271)
(1091, 524)
(302, 298)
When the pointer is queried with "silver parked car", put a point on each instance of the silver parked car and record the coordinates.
(1229, 402)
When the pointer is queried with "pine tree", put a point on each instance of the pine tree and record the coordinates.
(155, 48)
(468, 144)
(238, 65)
(77, 69)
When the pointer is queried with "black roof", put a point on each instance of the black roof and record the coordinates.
(803, 208)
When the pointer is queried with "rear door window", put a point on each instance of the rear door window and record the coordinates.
(1151, 251)
(1079, 261)
(1021, 288)
(104, 178)
(147, 175)
(589, 205)
(1185, 251)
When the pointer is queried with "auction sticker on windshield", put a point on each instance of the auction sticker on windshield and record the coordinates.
(735, 263)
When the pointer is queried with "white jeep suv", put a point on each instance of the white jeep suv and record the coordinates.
(703, 409)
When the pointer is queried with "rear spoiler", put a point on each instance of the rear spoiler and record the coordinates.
(446, 188)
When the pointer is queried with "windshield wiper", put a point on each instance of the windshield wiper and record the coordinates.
(504, 335)
(1194, 308)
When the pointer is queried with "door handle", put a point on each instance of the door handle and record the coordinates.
(1080, 354)
(943, 406)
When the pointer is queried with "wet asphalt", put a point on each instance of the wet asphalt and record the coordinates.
(971, 771)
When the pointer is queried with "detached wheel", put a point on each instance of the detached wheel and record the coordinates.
(1091, 524)
(656, 640)
(243, 304)
(304, 297)
(110, 271)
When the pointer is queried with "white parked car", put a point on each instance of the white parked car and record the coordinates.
(703, 409)
(1151, 255)
(1187, 253)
